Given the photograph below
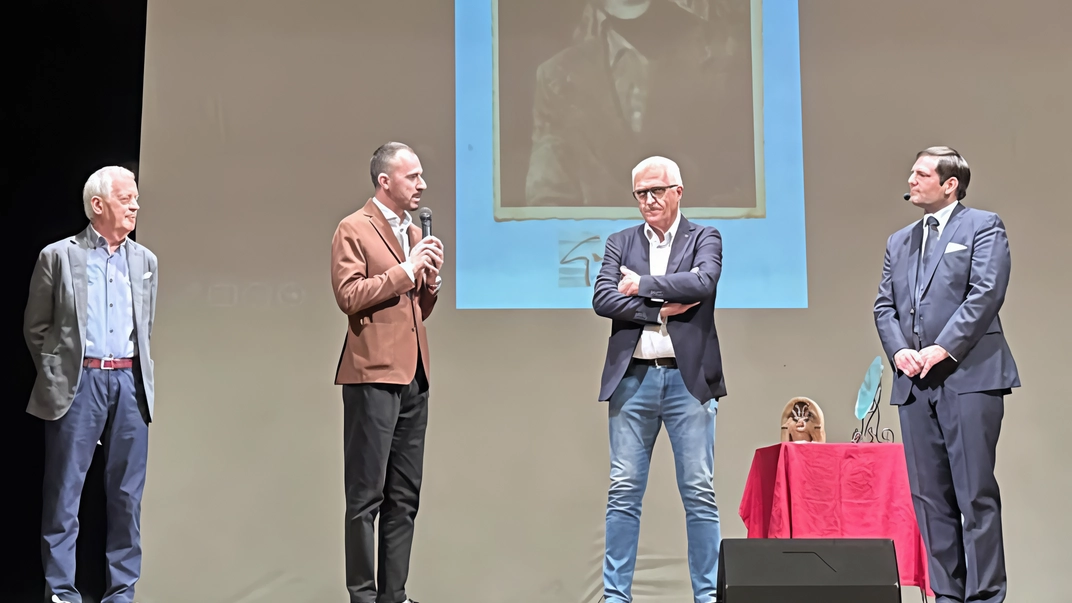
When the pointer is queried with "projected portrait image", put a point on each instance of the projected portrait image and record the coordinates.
(587, 88)
(557, 101)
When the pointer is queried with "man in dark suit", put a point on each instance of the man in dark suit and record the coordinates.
(657, 284)
(88, 323)
(943, 281)
(386, 280)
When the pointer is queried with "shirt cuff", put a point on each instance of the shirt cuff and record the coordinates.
(408, 267)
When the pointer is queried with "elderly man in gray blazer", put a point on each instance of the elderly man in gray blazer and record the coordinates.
(87, 325)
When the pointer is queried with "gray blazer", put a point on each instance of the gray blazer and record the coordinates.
(963, 288)
(54, 323)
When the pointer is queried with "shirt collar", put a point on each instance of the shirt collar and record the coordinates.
(942, 215)
(649, 232)
(392, 217)
(96, 240)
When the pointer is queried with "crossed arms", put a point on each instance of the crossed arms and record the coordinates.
(656, 297)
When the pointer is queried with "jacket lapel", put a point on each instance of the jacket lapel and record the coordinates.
(939, 249)
(379, 222)
(414, 234)
(678, 245)
(136, 269)
(77, 254)
(643, 264)
(915, 242)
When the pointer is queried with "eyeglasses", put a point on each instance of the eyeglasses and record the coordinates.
(656, 191)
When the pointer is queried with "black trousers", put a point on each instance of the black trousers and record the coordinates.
(950, 443)
(383, 439)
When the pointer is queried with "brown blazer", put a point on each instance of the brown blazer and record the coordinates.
(386, 321)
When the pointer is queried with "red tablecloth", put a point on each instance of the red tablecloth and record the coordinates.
(836, 491)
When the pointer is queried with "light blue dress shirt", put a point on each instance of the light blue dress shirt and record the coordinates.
(110, 306)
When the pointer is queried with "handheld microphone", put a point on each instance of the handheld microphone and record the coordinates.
(907, 196)
(425, 215)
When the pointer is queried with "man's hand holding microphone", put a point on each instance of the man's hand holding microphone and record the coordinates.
(426, 257)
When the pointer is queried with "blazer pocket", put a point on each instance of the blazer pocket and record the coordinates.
(49, 359)
(372, 342)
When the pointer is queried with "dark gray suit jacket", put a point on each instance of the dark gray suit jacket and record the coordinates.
(691, 276)
(963, 288)
(54, 323)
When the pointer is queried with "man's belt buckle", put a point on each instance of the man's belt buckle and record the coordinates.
(664, 362)
(106, 364)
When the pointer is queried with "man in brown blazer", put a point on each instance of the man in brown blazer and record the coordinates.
(385, 279)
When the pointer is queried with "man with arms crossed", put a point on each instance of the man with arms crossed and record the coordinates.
(943, 281)
(385, 279)
(88, 322)
(657, 284)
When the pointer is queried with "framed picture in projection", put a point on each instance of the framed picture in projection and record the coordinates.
(558, 100)
(585, 89)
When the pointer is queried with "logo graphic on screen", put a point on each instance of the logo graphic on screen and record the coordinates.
(580, 255)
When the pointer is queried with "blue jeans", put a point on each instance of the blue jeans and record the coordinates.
(106, 407)
(647, 398)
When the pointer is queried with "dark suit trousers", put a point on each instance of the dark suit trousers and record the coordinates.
(383, 437)
(106, 407)
(950, 443)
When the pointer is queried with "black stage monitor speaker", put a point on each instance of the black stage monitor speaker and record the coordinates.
(838, 570)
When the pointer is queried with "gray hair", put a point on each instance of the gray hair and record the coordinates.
(672, 170)
(99, 184)
(382, 158)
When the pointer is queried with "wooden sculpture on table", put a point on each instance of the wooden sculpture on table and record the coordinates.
(802, 421)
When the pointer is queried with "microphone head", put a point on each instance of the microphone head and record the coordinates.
(424, 213)
(907, 196)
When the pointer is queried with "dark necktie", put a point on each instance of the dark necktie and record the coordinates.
(932, 239)
(928, 247)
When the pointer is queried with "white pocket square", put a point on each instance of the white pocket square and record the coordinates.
(951, 247)
(148, 274)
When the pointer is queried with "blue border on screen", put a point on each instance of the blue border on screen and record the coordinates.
(514, 264)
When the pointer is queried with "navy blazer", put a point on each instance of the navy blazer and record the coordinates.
(964, 286)
(692, 274)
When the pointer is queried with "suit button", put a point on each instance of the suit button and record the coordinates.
(413, 329)
(912, 311)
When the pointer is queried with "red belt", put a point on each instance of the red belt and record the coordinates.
(108, 364)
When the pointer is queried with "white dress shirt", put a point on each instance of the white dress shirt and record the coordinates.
(942, 215)
(400, 227)
(654, 340)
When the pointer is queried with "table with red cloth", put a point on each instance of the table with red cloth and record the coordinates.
(827, 490)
